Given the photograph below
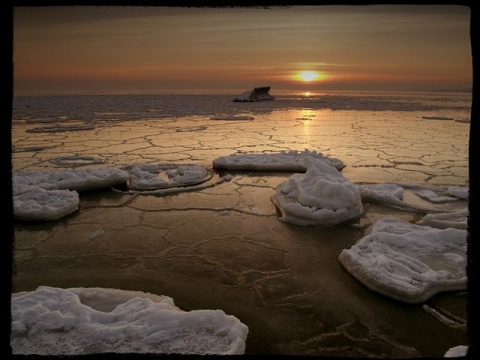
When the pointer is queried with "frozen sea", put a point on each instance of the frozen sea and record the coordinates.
(217, 243)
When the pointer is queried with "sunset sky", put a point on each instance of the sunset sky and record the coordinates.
(87, 49)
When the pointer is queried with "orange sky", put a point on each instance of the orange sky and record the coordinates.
(87, 49)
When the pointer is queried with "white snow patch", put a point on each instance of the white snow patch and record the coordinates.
(75, 321)
(408, 262)
(457, 351)
(45, 205)
(162, 176)
(321, 196)
(283, 161)
(455, 219)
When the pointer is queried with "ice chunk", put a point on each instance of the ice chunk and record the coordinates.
(460, 192)
(80, 180)
(394, 195)
(434, 196)
(321, 196)
(54, 321)
(44, 205)
(437, 117)
(155, 176)
(283, 161)
(457, 351)
(256, 94)
(408, 262)
(455, 219)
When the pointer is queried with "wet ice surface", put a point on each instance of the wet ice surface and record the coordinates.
(222, 246)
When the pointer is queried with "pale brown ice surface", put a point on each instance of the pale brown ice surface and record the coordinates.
(224, 248)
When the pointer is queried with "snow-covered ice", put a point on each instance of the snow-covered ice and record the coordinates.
(282, 161)
(45, 205)
(460, 192)
(408, 262)
(433, 196)
(75, 321)
(162, 176)
(393, 195)
(321, 196)
(80, 180)
(457, 351)
(64, 128)
(455, 219)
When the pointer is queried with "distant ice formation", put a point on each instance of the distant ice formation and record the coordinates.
(321, 196)
(76, 321)
(231, 117)
(256, 94)
(283, 161)
(408, 262)
(437, 117)
(61, 128)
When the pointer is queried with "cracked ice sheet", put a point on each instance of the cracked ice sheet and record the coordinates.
(408, 262)
(55, 321)
(362, 140)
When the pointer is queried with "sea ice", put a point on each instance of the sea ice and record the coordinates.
(75, 321)
(154, 176)
(455, 219)
(58, 128)
(457, 351)
(283, 161)
(256, 94)
(44, 205)
(408, 262)
(437, 117)
(232, 117)
(321, 196)
(80, 180)
(460, 192)
(434, 196)
(391, 194)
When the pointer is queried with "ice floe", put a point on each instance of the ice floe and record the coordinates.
(457, 351)
(321, 196)
(75, 321)
(460, 192)
(256, 94)
(437, 117)
(232, 117)
(455, 219)
(282, 161)
(162, 176)
(44, 205)
(58, 128)
(80, 180)
(435, 198)
(408, 262)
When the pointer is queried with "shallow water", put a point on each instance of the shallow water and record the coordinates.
(223, 247)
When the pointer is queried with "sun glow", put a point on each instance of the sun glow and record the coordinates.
(308, 75)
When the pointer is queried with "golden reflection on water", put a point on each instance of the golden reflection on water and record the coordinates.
(307, 117)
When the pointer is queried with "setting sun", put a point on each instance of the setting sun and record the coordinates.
(309, 75)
